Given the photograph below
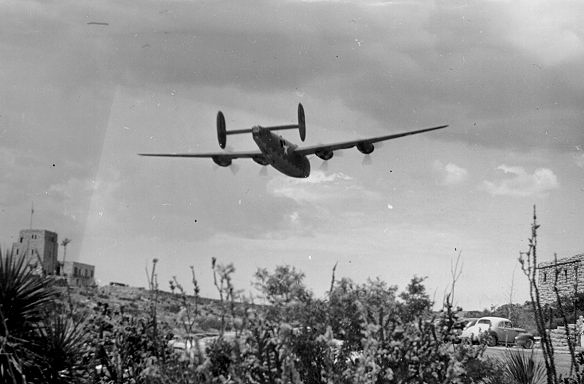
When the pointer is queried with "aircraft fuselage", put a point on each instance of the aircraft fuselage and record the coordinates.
(280, 153)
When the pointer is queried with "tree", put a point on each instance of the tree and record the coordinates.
(416, 301)
(284, 286)
(64, 244)
(345, 313)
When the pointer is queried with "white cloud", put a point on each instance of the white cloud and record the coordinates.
(318, 187)
(450, 174)
(323, 198)
(519, 183)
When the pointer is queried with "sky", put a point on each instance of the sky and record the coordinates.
(86, 85)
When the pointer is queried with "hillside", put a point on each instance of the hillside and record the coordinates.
(134, 302)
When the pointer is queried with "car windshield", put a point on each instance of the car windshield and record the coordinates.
(470, 323)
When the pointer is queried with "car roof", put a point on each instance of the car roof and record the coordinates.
(494, 318)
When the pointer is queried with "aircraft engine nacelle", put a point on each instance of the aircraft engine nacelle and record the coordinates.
(365, 147)
(260, 160)
(222, 161)
(324, 154)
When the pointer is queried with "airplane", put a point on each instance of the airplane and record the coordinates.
(284, 156)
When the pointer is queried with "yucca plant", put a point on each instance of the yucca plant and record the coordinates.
(62, 343)
(24, 296)
(31, 347)
(521, 368)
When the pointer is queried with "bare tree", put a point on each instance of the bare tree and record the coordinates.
(455, 272)
(528, 261)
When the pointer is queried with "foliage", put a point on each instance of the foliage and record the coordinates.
(36, 343)
(520, 315)
(416, 302)
(359, 333)
(24, 296)
(282, 287)
(521, 368)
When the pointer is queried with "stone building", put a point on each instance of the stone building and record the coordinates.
(570, 278)
(78, 274)
(40, 248)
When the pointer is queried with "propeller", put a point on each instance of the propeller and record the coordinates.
(234, 168)
(264, 170)
(324, 166)
(367, 160)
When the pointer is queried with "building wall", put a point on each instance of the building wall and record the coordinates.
(39, 247)
(570, 278)
(79, 274)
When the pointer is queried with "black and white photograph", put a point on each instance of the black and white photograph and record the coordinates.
(294, 191)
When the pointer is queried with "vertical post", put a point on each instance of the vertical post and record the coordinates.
(31, 213)
(576, 277)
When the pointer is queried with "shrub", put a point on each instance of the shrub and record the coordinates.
(32, 348)
(521, 368)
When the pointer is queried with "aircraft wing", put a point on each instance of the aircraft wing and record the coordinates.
(213, 155)
(350, 144)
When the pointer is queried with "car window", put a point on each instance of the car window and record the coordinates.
(470, 324)
(485, 321)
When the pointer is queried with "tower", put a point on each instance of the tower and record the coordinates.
(40, 248)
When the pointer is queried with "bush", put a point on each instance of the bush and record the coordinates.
(361, 333)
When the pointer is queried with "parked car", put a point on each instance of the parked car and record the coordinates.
(460, 325)
(466, 322)
(525, 340)
(495, 329)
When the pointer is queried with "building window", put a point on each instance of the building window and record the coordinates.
(17, 249)
(21, 239)
(545, 277)
(566, 275)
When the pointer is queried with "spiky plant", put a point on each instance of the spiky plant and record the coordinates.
(62, 343)
(523, 369)
(24, 296)
(31, 347)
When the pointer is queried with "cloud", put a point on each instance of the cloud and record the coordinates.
(321, 199)
(320, 187)
(426, 62)
(519, 183)
(450, 174)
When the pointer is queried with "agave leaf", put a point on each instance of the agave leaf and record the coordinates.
(24, 296)
(523, 369)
